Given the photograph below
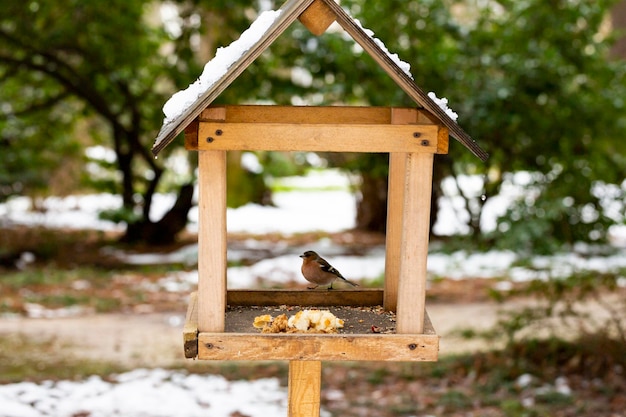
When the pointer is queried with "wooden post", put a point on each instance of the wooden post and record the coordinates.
(211, 241)
(304, 388)
(393, 236)
(414, 249)
(395, 205)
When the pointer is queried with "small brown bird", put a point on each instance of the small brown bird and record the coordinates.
(318, 271)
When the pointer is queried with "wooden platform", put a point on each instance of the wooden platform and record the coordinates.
(356, 342)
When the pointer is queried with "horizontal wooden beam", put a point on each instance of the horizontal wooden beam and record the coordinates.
(317, 137)
(307, 347)
(318, 298)
(311, 114)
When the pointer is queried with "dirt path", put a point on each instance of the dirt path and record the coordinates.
(155, 339)
(137, 340)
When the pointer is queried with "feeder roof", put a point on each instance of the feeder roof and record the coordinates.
(224, 69)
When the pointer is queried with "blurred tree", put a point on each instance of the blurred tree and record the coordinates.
(111, 62)
(31, 152)
(86, 59)
(532, 83)
(543, 94)
(530, 79)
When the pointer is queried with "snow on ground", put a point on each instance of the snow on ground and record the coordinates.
(145, 393)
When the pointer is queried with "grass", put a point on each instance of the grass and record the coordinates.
(95, 288)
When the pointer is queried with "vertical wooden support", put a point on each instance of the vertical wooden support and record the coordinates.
(393, 236)
(211, 241)
(395, 205)
(305, 385)
(414, 249)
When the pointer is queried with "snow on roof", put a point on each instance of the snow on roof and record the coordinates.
(217, 67)
(403, 65)
(443, 104)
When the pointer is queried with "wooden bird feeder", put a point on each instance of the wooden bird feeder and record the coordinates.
(411, 136)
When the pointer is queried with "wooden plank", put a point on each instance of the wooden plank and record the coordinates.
(318, 298)
(290, 11)
(190, 329)
(211, 240)
(299, 114)
(317, 18)
(317, 137)
(414, 251)
(305, 384)
(316, 347)
(401, 78)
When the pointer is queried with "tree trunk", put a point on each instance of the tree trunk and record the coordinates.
(618, 20)
(372, 201)
(165, 230)
(371, 214)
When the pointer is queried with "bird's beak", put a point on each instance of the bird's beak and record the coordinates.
(302, 256)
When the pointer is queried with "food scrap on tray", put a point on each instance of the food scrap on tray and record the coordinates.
(305, 321)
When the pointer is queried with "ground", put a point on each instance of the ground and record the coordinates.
(140, 328)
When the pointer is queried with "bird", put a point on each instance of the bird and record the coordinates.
(318, 271)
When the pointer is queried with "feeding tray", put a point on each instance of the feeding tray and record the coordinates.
(368, 333)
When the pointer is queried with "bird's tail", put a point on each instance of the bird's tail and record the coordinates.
(350, 282)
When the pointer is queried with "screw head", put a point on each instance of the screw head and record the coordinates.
(209, 139)
(425, 142)
(219, 132)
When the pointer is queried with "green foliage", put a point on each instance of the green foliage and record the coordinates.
(29, 152)
(546, 99)
(531, 80)
(93, 62)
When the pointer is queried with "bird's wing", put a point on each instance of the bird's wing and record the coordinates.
(326, 267)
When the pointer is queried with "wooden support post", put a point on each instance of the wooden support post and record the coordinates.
(211, 240)
(395, 206)
(305, 384)
(414, 249)
(393, 244)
